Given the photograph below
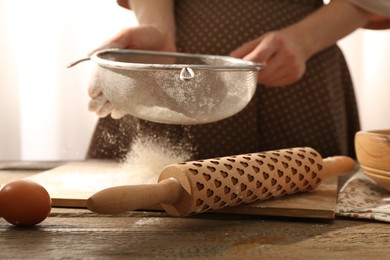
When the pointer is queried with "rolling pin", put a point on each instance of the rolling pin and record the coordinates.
(199, 186)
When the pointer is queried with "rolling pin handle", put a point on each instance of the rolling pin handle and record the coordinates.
(338, 165)
(132, 197)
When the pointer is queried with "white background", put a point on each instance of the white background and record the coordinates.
(43, 105)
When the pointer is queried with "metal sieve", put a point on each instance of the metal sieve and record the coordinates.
(176, 88)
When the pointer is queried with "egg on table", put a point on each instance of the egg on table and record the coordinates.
(24, 203)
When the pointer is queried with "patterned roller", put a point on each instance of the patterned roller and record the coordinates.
(199, 186)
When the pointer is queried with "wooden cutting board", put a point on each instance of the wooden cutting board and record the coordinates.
(71, 184)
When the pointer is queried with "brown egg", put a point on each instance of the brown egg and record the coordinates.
(24, 203)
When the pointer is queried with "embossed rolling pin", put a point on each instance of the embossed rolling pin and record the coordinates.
(198, 186)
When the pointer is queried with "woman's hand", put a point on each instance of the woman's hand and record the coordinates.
(284, 60)
(142, 37)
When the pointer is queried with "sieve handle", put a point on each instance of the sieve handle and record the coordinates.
(78, 61)
(186, 73)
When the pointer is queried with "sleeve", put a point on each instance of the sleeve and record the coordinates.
(380, 9)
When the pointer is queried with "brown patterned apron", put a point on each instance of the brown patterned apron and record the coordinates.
(319, 111)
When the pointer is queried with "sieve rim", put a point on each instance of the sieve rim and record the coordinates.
(236, 64)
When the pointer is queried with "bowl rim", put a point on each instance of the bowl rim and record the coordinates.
(236, 64)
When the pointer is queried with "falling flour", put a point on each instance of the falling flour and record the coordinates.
(149, 156)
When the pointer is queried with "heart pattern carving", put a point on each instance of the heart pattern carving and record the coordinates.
(234, 180)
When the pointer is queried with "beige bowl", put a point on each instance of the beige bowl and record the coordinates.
(373, 154)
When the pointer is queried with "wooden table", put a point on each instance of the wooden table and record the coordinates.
(81, 234)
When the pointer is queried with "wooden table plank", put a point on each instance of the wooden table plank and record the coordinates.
(80, 234)
(75, 233)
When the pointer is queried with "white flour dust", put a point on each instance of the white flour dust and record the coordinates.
(163, 115)
(148, 221)
(149, 156)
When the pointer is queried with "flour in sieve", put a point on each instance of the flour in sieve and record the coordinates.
(162, 115)
(148, 156)
(162, 97)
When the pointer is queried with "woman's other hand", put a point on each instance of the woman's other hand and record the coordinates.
(283, 59)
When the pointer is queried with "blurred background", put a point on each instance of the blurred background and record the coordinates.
(44, 105)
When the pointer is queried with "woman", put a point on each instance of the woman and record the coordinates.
(305, 96)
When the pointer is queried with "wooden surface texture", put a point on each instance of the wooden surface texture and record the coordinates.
(80, 234)
(76, 233)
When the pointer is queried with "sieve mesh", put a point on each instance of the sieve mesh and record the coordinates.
(150, 86)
